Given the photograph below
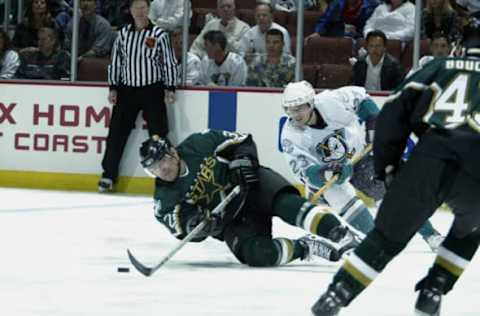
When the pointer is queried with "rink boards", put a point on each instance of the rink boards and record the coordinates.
(52, 135)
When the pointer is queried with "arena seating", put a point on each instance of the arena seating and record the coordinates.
(328, 50)
(330, 76)
(93, 69)
(325, 59)
(407, 54)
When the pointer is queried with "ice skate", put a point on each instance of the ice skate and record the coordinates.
(319, 247)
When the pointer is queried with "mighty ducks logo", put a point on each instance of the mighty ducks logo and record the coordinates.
(221, 78)
(333, 147)
(204, 187)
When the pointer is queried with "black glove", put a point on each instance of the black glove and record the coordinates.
(214, 225)
(245, 172)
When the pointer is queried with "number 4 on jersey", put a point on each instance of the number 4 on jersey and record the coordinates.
(451, 107)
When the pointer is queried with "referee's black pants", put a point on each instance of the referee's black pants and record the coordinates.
(130, 100)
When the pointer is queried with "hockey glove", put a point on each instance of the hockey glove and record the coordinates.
(245, 172)
(214, 223)
(344, 171)
(319, 175)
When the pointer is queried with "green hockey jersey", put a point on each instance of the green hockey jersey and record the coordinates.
(441, 104)
(206, 182)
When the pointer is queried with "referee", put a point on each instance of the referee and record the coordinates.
(142, 76)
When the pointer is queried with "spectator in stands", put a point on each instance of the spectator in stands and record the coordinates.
(275, 69)
(95, 35)
(228, 23)
(9, 59)
(396, 18)
(253, 42)
(221, 67)
(193, 62)
(61, 10)
(438, 16)
(115, 11)
(440, 47)
(168, 14)
(37, 16)
(378, 70)
(48, 62)
(288, 5)
(467, 8)
(344, 18)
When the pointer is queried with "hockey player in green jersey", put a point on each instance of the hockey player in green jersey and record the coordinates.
(194, 177)
(441, 104)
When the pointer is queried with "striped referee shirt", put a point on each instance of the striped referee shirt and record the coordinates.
(142, 58)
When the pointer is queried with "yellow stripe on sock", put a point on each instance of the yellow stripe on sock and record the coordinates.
(354, 272)
(449, 266)
(315, 222)
(286, 246)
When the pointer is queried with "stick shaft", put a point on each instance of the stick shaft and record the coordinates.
(333, 179)
(218, 209)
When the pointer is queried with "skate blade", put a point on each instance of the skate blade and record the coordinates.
(420, 313)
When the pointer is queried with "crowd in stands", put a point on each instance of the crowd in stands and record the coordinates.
(244, 43)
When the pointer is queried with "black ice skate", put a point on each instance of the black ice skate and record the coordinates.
(323, 248)
(430, 297)
(330, 303)
(105, 185)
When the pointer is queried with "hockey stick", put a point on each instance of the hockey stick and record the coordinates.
(333, 179)
(148, 271)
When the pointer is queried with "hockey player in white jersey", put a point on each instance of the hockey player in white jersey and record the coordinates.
(320, 137)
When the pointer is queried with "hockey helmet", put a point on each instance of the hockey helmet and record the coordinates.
(153, 150)
(298, 93)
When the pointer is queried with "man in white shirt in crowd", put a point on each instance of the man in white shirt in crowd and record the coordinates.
(253, 42)
(221, 67)
(233, 28)
(168, 14)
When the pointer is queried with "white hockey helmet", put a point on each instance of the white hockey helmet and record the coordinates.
(298, 93)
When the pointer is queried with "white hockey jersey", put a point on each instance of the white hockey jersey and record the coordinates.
(232, 72)
(342, 137)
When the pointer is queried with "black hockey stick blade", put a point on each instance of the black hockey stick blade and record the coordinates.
(146, 271)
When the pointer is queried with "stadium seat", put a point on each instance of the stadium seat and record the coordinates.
(328, 50)
(93, 69)
(310, 73)
(407, 54)
(309, 20)
(198, 19)
(281, 18)
(247, 15)
(331, 76)
(204, 4)
(245, 4)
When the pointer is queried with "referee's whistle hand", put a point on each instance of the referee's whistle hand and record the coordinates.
(112, 97)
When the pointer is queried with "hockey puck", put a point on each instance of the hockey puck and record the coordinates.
(123, 269)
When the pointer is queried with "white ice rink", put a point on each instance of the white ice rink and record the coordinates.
(60, 252)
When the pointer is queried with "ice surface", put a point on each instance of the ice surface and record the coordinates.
(60, 252)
